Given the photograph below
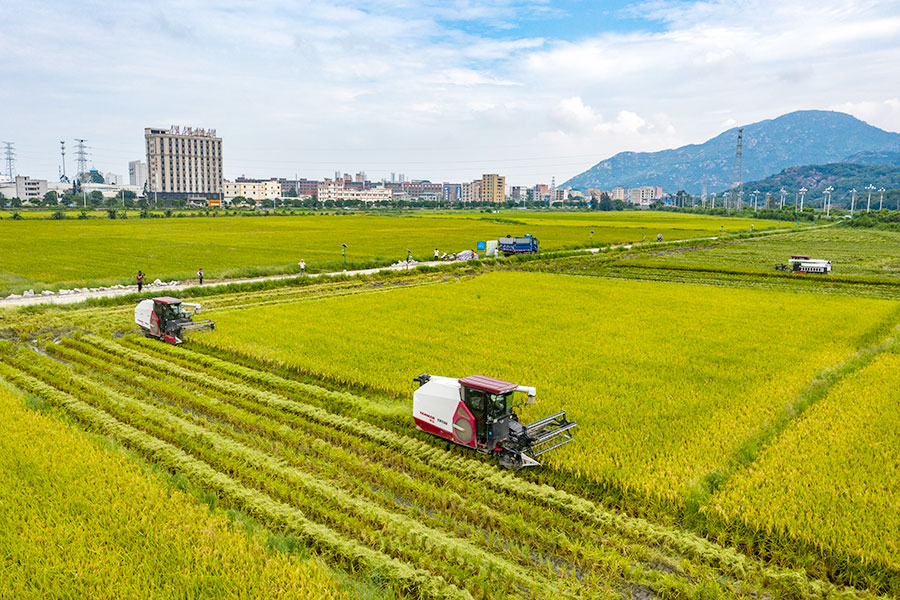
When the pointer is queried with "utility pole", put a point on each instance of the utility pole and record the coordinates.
(62, 150)
(828, 191)
(10, 156)
(803, 191)
(869, 187)
(881, 202)
(852, 201)
(755, 194)
(783, 194)
(737, 173)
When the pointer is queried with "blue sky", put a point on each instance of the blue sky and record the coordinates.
(443, 90)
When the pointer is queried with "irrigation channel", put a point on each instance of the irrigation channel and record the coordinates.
(337, 472)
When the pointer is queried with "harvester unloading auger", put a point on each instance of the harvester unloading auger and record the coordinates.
(477, 412)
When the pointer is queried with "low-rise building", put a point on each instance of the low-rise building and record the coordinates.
(619, 193)
(645, 195)
(26, 188)
(258, 190)
(336, 191)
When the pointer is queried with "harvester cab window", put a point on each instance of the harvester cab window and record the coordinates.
(500, 406)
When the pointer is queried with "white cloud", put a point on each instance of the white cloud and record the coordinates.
(322, 84)
(881, 113)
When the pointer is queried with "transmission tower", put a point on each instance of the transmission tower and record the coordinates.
(62, 151)
(81, 155)
(10, 157)
(737, 174)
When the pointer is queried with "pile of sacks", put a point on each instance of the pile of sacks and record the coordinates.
(65, 292)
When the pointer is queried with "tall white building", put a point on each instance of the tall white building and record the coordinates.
(184, 163)
(137, 174)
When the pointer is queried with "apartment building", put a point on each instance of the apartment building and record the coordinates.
(493, 188)
(258, 190)
(137, 174)
(184, 163)
(471, 191)
(619, 193)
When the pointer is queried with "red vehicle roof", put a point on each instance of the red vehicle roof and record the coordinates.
(799, 256)
(167, 300)
(488, 384)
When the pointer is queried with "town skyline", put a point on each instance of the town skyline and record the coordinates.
(531, 89)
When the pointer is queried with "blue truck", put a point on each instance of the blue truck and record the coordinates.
(527, 244)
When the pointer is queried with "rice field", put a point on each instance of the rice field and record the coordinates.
(853, 252)
(747, 431)
(666, 380)
(96, 252)
(427, 522)
(832, 480)
(81, 521)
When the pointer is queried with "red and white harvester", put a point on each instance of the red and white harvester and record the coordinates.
(477, 412)
(167, 318)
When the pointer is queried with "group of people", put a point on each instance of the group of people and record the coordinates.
(139, 279)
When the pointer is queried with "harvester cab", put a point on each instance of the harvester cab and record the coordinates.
(478, 412)
(166, 318)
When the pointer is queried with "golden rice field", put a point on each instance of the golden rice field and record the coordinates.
(80, 521)
(665, 380)
(832, 479)
(90, 253)
(386, 504)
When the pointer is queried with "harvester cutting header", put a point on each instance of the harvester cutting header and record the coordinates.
(477, 412)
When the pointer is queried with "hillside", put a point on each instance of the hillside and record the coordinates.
(798, 138)
(843, 177)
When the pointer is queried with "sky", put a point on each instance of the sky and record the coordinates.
(438, 90)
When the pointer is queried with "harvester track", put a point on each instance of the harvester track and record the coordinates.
(431, 521)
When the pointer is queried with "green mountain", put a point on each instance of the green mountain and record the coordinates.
(799, 138)
(843, 177)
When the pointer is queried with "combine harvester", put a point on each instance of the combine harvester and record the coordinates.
(805, 264)
(166, 318)
(477, 412)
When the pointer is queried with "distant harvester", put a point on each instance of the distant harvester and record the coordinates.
(804, 264)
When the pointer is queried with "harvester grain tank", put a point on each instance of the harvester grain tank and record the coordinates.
(804, 264)
(166, 318)
(477, 412)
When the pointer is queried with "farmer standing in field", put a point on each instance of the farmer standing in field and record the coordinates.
(437, 254)
(302, 264)
(200, 276)
(140, 281)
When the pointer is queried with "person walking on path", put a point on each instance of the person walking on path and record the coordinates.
(302, 264)
(140, 281)
(200, 276)
(437, 254)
